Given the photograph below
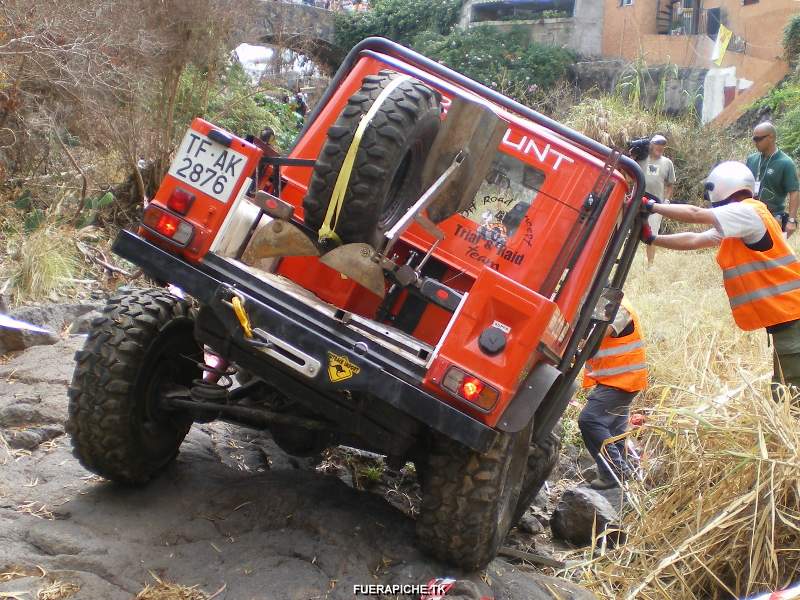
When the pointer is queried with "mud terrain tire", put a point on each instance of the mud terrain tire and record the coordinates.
(469, 498)
(386, 176)
(142, 344)
(542, 458)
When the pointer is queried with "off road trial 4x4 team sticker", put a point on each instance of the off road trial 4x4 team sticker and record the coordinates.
(501, 204)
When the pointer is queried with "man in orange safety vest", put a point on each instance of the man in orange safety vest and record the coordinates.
(760, 271)
(617, 373)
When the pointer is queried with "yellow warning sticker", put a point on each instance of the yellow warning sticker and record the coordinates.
(340, 368)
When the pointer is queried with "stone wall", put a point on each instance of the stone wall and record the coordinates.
(682, 92)
(299, 27)
(582, 32)
(587, 35)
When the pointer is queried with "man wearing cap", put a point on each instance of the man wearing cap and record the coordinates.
(659, 176)
(776, 177)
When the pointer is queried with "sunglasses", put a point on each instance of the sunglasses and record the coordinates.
(758, 138)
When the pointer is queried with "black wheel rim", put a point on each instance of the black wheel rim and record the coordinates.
(170, 363)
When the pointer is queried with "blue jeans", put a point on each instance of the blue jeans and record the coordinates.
(606, 415)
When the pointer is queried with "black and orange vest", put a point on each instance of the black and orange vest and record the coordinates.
(763, 287)
(620, 362)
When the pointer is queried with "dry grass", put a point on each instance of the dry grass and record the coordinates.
(720, 510)
(52, 588)
(164, 590)
(42, 262)
(694, 149)
(58, 590)
(10, 572)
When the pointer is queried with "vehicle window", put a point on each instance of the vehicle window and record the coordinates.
(504, 197)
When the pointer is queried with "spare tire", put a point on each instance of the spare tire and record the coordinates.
(386, 175)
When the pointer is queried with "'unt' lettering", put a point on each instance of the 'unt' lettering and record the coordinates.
(527, 145)
(540, 155)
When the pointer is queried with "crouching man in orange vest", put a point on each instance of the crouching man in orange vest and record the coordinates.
(760, 271)
(618, 372)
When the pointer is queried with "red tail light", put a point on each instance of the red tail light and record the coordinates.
(180, 201)
(166, 225)
(469, 388)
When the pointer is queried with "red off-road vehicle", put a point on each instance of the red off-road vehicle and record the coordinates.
(422, 276)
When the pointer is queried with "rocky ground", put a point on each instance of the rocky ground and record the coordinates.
(234, 515)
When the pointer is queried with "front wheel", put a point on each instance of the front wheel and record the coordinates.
(542, 459)
(469, 498)
(140, 347)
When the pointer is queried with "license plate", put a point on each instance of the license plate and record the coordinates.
(207, 166)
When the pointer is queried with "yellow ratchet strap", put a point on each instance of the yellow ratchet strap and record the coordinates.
(244, 320)
(327, 230)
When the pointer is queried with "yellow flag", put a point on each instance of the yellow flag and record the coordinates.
(721, 46)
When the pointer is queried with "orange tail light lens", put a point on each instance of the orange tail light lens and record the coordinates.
(470, 388)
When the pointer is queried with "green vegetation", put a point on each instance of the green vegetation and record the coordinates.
(232, 102)
(529, 15)
(782, 98)
(784, 101)
(789, 132)
(614, 122)
(398, 20)
(637, 78)
(791, 39)
(507, 62)
(372, 473)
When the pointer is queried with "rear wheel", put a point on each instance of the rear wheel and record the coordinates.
(386, 176)
(468, 498)
(142, 346)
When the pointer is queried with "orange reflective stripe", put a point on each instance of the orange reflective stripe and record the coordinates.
(759, 265)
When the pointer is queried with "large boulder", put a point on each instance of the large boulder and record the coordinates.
(510, 583)
(83, 323)
(17, 335)
(54, 316)
(581, 511)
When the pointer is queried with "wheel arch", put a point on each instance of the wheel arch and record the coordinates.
(529, 397)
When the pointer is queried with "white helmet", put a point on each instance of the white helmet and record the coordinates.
(726, 179)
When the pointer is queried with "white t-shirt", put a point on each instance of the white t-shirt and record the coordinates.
(736, 220)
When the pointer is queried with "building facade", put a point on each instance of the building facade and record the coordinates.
(684, 32)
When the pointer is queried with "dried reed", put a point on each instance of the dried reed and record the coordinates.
(721, 503)
(164, 590)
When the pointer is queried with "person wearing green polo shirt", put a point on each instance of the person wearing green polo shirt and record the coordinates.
(776, 177)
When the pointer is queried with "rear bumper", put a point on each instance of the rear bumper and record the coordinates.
(332, 357)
